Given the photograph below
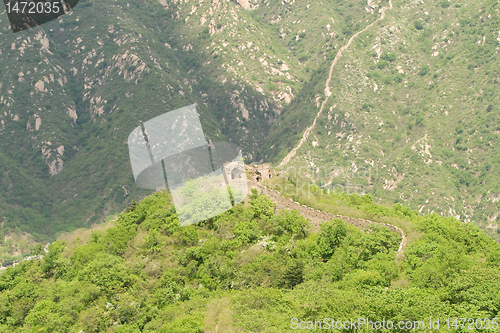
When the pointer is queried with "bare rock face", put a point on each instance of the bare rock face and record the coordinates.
(55, 163)
(163, 3)
(40, 86)
(245, 4)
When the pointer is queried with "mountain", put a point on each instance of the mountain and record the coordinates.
(412, 116)
(412, 98)
(255, 269)
(74, 89)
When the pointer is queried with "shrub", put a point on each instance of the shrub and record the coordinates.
(389, 56)
(367, 106)
(294, 274)
(424, 70)
(382, 64)
(303, 59)
(263, 207)
(330, 236)
(419, 121)
(290, 222)
(445, 4)
(247, 232)
(272, 86)
(107, 272)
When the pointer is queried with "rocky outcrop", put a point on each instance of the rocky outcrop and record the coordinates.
(53, 158)
(245, 4)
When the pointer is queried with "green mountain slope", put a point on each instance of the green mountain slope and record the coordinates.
(73, 90)
(252, 269)
(414, 99)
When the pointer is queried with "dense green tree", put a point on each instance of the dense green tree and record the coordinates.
(294, 274)
(263, 207)
(330, 237)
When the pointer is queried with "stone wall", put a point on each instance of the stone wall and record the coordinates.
(316, 217)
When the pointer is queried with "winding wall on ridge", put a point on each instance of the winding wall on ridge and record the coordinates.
(316, 217)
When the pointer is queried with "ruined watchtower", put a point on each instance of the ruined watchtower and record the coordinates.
(260, 172)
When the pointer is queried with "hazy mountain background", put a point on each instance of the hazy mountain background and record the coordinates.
(414, 97)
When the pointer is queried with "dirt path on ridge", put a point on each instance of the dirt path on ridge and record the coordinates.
(327, 85)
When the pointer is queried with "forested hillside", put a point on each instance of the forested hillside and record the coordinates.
(414, 98)
(251, 269)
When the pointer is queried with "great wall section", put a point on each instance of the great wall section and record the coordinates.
(316, 217)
